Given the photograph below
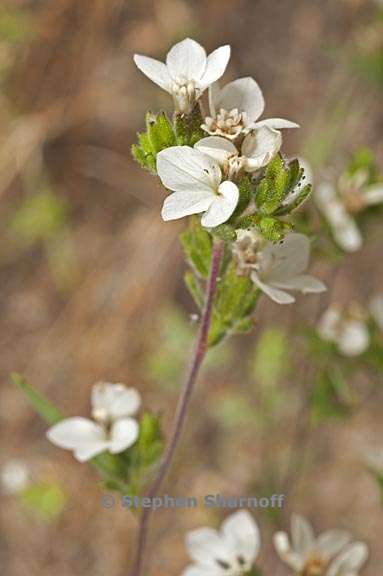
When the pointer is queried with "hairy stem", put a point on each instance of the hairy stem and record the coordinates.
(183, 404)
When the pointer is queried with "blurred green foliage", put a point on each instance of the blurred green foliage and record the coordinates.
(39, 217)
(15, 25)
(170, 348)
(46, 501)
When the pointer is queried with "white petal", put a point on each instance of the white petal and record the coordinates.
(123, 434)
(304, 283)
(195, 570)
(278, 296)
(329, 323)
(302, 534)
(284, 551)
(113, 401)
(243, 94)
(276, 123)
(350, 561)
(376, 309)
(324, 194)
(373, 194)
(220, 149)
(354, 339)
(205, 546)
(331, 542)
(223, 205)
(185, 169)
(180, 204)
(242, 535)
(215, 66)
(260, 146)
(155, 70)
(346, 234)
(214, 95)
(291, 257)
(83, 436)
(186, 60)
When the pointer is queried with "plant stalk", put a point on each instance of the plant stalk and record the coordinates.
(199, 354)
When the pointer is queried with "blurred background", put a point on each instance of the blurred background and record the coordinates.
(91, 278)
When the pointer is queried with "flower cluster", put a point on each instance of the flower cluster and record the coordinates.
(233, 550)
(228, 167)
(344, 201)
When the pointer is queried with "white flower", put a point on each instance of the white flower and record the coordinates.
(231, 551)
(376, 309)
(350, 561)
(276, 268)
(187, 72)
(14, 476)
(346, 328)
(258, 148)
(235, 109)
(314, 556)
(196, 181)
(340, 204)
(115, 430)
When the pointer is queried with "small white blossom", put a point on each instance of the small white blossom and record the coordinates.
(113, 406)
(376, 309)
(329, 554)
(235, 109)
(196, 182)
(339, 204)
(188, 71)
(230, 551)
(346, 328)
(275, 268)
(14, 476)
(258, 148)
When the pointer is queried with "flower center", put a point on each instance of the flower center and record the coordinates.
(185, 93)
(247, 251)
(229, 124)
(353, 201)
(315, 566)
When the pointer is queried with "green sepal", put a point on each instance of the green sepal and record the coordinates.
(245, 193)
(273, 229)
(225, 232)
(301, 197)
(272, 189)
(188, 127)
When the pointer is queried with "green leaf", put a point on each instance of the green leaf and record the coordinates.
(234, 303)
(197, 246)
(332, 396)
(194, 288)
(160, 132)
(42, 406)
